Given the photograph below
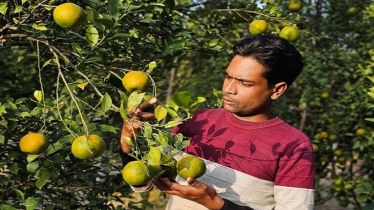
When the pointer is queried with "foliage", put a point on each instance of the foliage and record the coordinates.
(67, 83)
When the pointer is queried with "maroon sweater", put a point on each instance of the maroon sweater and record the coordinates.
(271, 150)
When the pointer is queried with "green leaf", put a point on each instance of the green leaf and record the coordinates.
(32, 167)
(160, 112)
(93, 59)
(134, 100)
(177, 139)
(31, 203)
(7, 207)
(24, 114)
(13, 168)
(107, 102)
(147, 130)
(54, 148)
(20, 194)
(2, 139)
(43, 177)
(18, 9)
(128, 141)
(31, 157)
(92, 35)
(38, 95)
(155, 154)
(151, 66)
(107, 128)
(77, 48)
(156, 4)
(123, 113)
(114, 7)
(47, 62)
(3, 7)
(181, 99)
(121, 36)
(171, 112)
(213, 42)
(124, 97)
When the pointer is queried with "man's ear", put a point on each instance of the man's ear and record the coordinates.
(278, 90)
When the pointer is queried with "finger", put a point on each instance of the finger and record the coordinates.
(145, 116)
(147, 104)
(193, 182)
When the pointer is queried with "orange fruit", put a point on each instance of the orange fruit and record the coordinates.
(136, 173)
(360, 132)
(338, 152)
(258, 27)
(92, 147)
(136, 81)
(290, 33)
(315, 147)
(325, 95)
(351, 11)
(302, 53)
(191, 166)
(294, 7)
(333, 138)
(34, 143)
(324, 135)
(69, 15)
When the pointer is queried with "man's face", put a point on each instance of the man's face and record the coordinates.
(245, 90)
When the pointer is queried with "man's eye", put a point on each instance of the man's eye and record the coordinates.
(246, 85)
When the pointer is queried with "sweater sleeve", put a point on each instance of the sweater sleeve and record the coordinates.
(228, 205)
(294, 181)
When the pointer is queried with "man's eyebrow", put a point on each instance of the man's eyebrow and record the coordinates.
(240, 79)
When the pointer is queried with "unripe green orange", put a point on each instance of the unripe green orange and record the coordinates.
(290, 33)
(258, 27)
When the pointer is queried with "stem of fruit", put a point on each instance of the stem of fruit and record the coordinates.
(71, 94)
(41, 88)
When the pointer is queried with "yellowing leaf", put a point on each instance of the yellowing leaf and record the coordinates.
(160, 112)
(38, 95)
(82, 85)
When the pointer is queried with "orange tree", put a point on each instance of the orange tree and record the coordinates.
(331, 101)
(63, 78)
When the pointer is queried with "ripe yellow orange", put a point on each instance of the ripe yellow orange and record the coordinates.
(136, 81)
(290, 33)
(315, 147)
(92, 147)
(136, 173)
(69, 15)
(258, 27)
(294, 7)
(325, 95)
(360, 132)
(191, 166)
(34, 143)
(324, 135)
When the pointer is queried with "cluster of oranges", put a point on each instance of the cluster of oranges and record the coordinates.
(139, 173)
(290, 33)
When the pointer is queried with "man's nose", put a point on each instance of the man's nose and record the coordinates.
(230, 87)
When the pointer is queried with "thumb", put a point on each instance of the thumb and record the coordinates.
(193, 182)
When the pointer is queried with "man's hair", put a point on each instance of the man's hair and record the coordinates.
(282, 61)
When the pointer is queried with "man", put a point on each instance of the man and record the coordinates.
(254, 159)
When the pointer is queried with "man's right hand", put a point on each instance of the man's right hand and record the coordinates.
(131, 126)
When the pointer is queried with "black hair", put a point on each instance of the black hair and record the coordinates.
(281, 60)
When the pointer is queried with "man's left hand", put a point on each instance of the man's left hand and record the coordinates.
(195, 191)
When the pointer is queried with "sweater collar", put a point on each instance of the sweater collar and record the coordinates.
(251, 125)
